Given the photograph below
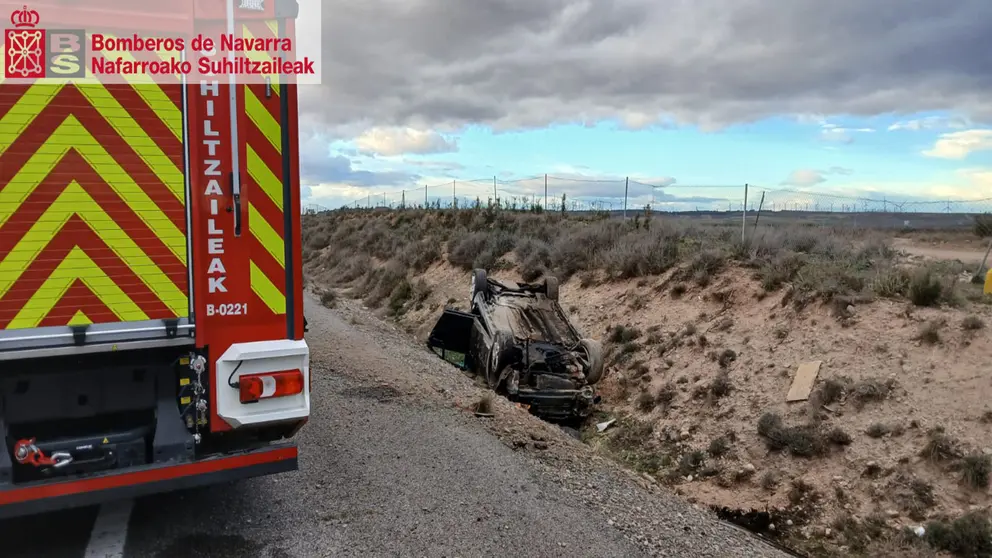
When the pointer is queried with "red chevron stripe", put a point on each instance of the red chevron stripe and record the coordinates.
(260, 313)
(272, 105)
(78, 297)
(151, 56)
(32, 137)
(9, 95)
(71, 101)
(73, 166)
(76, 233)
(149, 120)
(265, 206)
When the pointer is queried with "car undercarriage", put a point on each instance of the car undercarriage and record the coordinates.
(517, 337)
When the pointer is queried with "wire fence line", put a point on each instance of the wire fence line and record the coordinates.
(551, 193)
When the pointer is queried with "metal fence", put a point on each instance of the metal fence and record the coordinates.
(628, 196)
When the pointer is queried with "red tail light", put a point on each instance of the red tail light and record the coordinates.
(255, 387)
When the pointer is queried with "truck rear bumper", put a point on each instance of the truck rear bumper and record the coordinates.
(47, 496)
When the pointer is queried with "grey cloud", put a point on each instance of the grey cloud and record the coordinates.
(319, 165)
(509, 64)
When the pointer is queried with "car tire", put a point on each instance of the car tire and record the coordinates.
(594, 358)
(551, 287)
(499, 354)
(480, 282)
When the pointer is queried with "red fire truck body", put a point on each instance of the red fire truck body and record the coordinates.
(151, 302)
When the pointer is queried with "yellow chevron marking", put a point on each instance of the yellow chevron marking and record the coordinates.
(72, 135)
(24, 111)
(261, 57)
(80, 318)
(139, 140)
(266, 291)
(263, 119)
(75, 201)
(76, 265)
(266, 235)
(148, 89)
(264, 177)
(273, 27)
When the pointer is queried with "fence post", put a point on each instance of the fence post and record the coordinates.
(758, 216)
(978, 272)
(626, 188)
(495, 195)
(427, 200)
(744, 217)
(545, 190)
(403, 200)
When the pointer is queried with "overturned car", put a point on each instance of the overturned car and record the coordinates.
(519, 339)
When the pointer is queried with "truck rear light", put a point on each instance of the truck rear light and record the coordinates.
(255, 387)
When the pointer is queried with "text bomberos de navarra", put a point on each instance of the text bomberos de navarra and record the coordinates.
(104, 61)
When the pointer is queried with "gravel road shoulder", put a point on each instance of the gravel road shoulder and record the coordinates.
(607, 500)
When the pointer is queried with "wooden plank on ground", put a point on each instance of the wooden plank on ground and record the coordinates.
(802, 383)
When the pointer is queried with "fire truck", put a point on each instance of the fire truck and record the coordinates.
(151, 301)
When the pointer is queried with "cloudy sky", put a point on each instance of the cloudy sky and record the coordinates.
(880, 98)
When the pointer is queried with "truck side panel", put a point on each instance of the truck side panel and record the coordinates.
(248, 304)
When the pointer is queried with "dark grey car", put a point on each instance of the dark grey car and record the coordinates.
(519, 339)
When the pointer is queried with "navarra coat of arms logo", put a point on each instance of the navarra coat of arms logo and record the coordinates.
(24, 46)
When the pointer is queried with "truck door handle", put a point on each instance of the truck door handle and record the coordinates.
(236, 194)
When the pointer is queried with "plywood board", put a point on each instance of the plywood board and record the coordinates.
(802, 383)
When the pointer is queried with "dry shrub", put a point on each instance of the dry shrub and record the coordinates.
(801, 492)
(871, 390)
(719, 446)
(382, 281)
(929, 333)
(646, 402)
(721, 386)
(802, 441)
(976, 470)
(982, 226)
(972, 323)
(329, 299)
(940, 446)
(967, 536)
(623, 334)
(925, 289)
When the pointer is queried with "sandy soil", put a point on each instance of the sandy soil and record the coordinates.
(946, 385)
(967, 251)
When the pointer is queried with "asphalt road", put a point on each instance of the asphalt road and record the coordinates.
(382, 473)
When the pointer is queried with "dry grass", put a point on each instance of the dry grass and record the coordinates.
(349, 246)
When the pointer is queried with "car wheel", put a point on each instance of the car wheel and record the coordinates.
(480, 282)
(551, 287)
(593, 352)
(495, 364)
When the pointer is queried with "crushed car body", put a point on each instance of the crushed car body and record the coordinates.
(517, 337)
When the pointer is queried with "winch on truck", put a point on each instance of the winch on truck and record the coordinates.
(151, 301)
